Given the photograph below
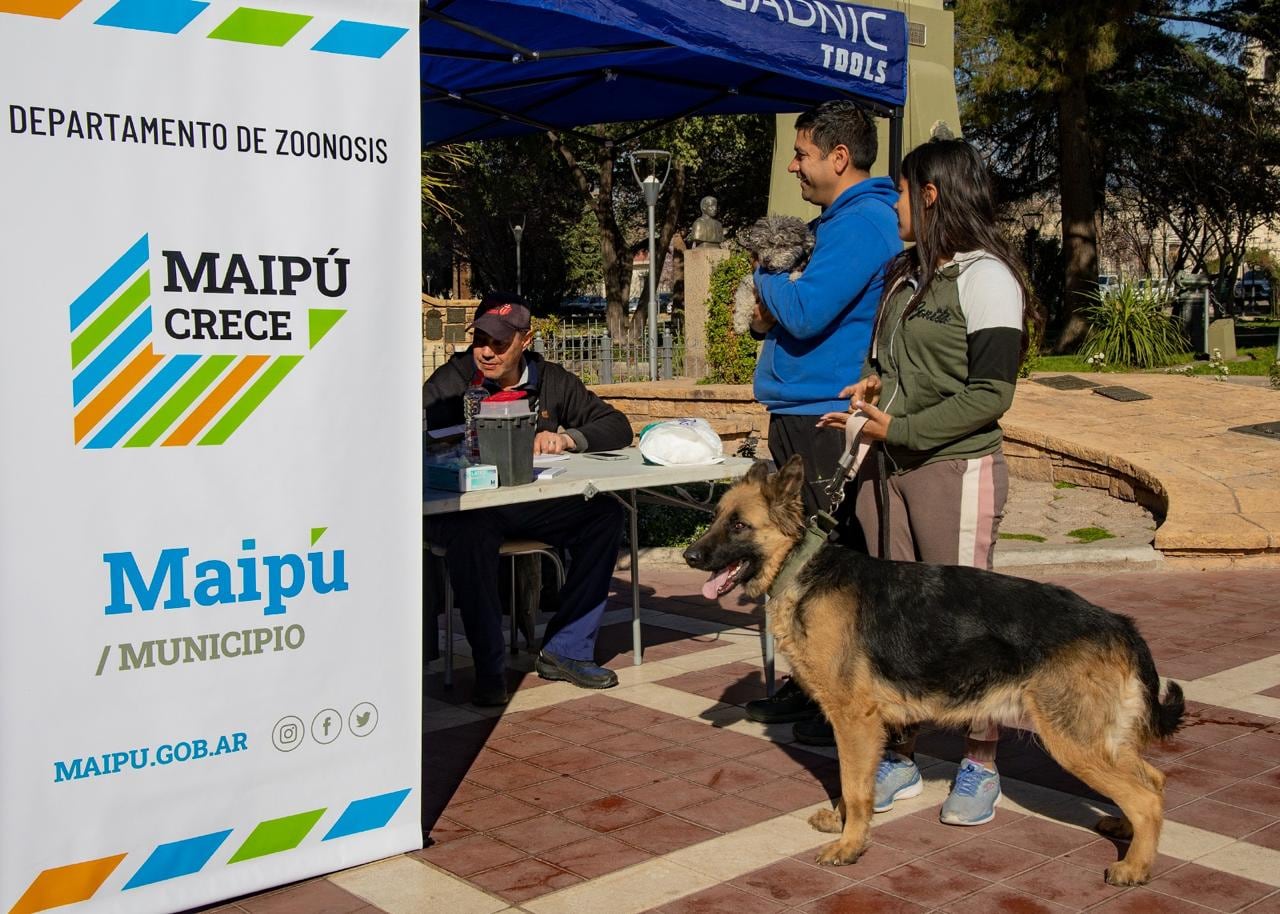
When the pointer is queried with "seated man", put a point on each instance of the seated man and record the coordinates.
(570, 418)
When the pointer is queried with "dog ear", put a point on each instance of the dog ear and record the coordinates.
(786, 483)
(759, 473)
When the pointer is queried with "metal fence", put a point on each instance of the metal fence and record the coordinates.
(587, 350)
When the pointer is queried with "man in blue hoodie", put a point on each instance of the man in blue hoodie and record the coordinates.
(817, 327)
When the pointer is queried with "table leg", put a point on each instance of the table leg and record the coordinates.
(634, 539)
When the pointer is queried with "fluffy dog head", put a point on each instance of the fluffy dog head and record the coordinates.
(780, 243)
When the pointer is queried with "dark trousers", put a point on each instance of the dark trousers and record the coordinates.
(821, 449)
(589, 530)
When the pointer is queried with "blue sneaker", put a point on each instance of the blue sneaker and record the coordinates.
(973, 796)
(897, 778)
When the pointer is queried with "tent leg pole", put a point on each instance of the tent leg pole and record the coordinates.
(895, 145)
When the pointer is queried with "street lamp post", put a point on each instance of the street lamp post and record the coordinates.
(517, 229)
(650, 186)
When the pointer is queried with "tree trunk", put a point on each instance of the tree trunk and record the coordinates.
(1079, 204)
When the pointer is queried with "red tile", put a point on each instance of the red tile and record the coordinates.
(1196, 780)
(787, 761)
(533, 836)
(470, 855)
(589, 730)
(721, 899)
(620, 776)
(511, 776)
(636, 717)
(1059, 881)
(609, 813)
(861, 899)
(1270, 777)
(1042, 836)
(319, 896)
(557, 793)
(1267, 837)
(572, 760)
(663, 834)
(1227, 760)
(467, 791)
(924, 883)
(921, 835)
(493, 812)
(547, 719)
(1208, 887)
(595, 856)
(786, 794)
(526, 743)
(524, 879)
(1260, 745)
(446, 830)
(728, 743)
(632, 743)
(730, 776)
(1268, 905)
(728, 813)
(792, 883)
(671, 794)
(1222, 818)
(986, 859)
(684, 731)
(677, 759)
(487, 758)
(1251, 795)
(1001, 898)
(1099, 855)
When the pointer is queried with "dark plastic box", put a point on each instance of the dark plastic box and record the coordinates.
(507, 443)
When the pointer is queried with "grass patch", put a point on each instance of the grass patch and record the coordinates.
(1257, 364)
(1029, 537)
(1090, 534)
(1065, 485)
(1060, 364)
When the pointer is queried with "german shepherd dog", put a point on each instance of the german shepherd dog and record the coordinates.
(883, 644)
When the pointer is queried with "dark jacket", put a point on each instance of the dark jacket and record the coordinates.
(562, 401)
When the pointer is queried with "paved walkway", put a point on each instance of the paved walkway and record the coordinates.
(660, 796)
(1222, 487)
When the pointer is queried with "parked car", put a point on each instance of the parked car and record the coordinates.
(1108, 282)
(1253, 289)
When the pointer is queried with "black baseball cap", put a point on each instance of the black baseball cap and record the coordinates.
(501, 315)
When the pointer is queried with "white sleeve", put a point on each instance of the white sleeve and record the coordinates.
(989, 296)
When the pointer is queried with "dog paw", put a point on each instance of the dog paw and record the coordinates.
(1125, 873)
(1115, 827)
(827, 820)
(840, 853)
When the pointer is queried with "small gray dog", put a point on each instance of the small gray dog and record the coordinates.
(782, 244)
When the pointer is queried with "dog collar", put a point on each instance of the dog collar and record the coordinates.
(816, 535)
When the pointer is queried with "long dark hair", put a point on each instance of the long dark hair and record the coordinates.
(962, 218)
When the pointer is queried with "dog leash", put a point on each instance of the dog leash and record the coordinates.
(821, 527)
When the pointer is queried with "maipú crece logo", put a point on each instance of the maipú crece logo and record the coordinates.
(125, 394)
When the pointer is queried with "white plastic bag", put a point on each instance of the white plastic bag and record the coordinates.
(680, 442)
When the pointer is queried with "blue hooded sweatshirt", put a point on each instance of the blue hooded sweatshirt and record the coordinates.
(824, 317)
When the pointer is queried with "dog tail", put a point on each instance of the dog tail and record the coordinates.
(1166, 716)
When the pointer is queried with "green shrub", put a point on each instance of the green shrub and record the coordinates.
(1031, 360)
(1128, 327)
(731, 359)
(668, 525)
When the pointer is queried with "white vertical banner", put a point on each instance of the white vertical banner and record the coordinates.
(210, 628)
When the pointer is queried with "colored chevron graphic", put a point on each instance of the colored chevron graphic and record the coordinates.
(77, 882)
(246, 25)
(45, 9)
(124, 394)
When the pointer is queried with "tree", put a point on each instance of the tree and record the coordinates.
(1066, 98)
(728, 155)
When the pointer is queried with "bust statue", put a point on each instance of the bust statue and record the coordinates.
(706, 228)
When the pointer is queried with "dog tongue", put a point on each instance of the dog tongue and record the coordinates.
(711, 589)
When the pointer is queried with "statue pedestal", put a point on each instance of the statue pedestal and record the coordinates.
(698, 264)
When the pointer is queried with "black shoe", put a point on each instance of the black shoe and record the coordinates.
(582, 673)
(790, 703)
(490, 693)
(816, 732)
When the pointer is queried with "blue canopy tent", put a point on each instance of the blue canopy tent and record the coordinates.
(493, 68)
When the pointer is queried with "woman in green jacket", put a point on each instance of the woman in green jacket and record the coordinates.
(945, 351)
